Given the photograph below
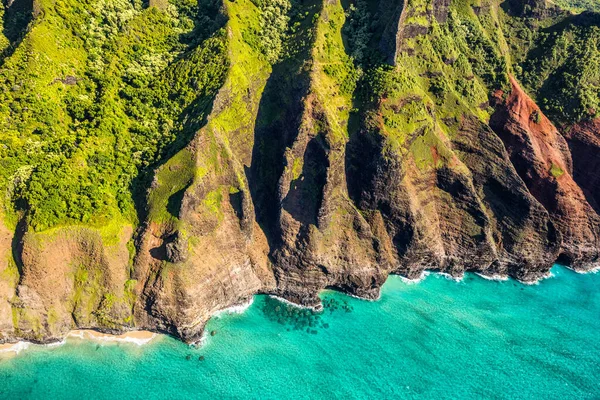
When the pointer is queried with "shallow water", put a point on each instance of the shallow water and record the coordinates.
(436, 339)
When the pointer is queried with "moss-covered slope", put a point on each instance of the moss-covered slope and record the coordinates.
(162, 160)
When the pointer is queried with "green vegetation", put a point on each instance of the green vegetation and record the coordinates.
(563, 70)
(99, 99)
(579, 5)
(96, 96)
(557, 61)
(556, 171)
(438, 77)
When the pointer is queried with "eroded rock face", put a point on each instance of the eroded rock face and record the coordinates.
(534, 8)
(470, 214)
(584, 143)
(10, 272)
(324, 240)
(213, 254)
(441, 9)
(514, 213)
(432, 215)
(294, 184)
(542, 159)
(68, 278)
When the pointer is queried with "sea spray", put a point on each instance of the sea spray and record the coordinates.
(235, 309)
(409, 281)
(495, 277)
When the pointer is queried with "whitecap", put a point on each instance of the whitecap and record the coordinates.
(537, 281)
(15, 348)
(424, 274)
(235, 309)
(451, 277)
(318, 307)
(495, 277)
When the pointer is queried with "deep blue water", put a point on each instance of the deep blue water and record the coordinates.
(437, 339)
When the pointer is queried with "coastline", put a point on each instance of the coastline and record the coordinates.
(138, 338)
(142, 337)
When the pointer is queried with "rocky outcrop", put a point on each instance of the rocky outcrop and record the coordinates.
(325, 241)
(440, 10)
(202, 249)
(584, 143)
(393, 16)
(8, 283)
(319, 172)
(318, 237)
(68, 278)
(464, 210)
(514, 213)
(542, 158)
(538, 9)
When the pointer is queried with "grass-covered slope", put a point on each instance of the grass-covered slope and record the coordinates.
(578, 5)
(93, 96)
(161, 160)
(556, 58)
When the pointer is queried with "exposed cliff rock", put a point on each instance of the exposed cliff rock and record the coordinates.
(10, 277)
(316, 144)
(201, 249)
(514, 213)
(584, 142)
(67, 278)
(541, 157)
(538, 9)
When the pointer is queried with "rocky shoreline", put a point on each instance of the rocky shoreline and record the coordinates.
(322, 171)
(143, 335)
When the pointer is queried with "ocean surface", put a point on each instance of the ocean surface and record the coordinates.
(437, 339)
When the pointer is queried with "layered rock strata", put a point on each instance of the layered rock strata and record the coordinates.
(325, 170)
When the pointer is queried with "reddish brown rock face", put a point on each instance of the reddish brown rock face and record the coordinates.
(541, 157)
(584, 142)
(321, 169)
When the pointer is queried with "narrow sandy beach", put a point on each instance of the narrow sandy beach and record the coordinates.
(135, 337)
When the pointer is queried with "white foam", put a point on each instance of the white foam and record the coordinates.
(55, 344)
(365, 298)
(202, 341)
(291, 303)
(547, 275)
(235, 309)
(594, 270)
(496, 277)
(451, 277)
(15, 348)
(424, 274)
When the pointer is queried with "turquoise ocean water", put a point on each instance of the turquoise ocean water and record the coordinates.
(436, 339)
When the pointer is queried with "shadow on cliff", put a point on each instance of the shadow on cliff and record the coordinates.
(305, 195)
(365, 145)
(278, 122)
(18, 15)
(207, 22)
(17, 244)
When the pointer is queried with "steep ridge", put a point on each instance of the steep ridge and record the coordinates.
(584, 143)
(429, 168)
(541, 157)
(282, 147)
(201, 249)
(322, 239)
